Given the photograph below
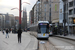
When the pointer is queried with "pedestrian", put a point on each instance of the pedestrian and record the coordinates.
(3, 31)
(19, 35)
(7, 33)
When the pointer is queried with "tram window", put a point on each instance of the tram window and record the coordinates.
(38, 30)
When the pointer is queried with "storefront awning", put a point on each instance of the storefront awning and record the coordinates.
(55, 21)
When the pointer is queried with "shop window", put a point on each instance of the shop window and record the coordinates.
(74, 21)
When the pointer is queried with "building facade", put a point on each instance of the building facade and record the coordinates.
(55, 11)
(12, 20)
(29, 18)
(35, 13)
(7, 20)
(70, 14)
(24, 18)
(48, 10)
(44, 10)
(0, 21)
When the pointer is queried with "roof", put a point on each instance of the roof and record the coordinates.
(63, 0)
(43, 22)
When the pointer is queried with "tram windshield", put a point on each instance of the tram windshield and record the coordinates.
(43, 28)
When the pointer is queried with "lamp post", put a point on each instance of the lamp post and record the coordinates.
(50, 13)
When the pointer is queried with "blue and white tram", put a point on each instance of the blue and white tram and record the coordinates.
(43, 29)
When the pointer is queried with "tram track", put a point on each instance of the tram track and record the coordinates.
(45, 45)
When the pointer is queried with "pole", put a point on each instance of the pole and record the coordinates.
(64, 21)
(50, 12)
(19, 13)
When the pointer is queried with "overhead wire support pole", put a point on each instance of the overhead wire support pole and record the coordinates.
(19, 13)
(64, 21)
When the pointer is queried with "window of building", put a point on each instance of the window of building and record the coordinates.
(44, 18)
(45, 9)
(71, 12)
(70, 4)
(70, 20)
(50, 9)
(45, 5)
(74, 2)
(74, 10)
(67, 6)
(46, 0)
(45, 14)
(50, 5)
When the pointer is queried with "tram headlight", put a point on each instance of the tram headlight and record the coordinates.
(39, 34)
(47, 34)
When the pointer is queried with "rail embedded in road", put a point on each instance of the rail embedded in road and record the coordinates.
(46, 45)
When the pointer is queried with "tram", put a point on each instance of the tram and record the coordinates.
(43, 29)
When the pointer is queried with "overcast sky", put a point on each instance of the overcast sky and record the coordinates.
(7, 5)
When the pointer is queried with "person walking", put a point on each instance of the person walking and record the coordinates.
(3, 31)
(19, 35)
(7, 33)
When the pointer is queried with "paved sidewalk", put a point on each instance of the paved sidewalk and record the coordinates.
(28, 42)
(71, 37)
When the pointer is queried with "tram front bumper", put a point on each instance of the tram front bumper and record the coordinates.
(43, 36)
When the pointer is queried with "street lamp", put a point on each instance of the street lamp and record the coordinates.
(20, 11)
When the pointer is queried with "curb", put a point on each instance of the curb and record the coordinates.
(65, 38)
